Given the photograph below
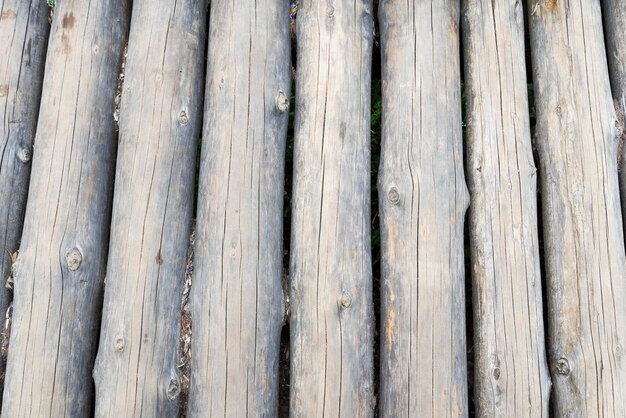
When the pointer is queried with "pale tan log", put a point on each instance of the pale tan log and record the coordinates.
(330, 266)
(582, 223)
(160, 120)
(236, 297)
(510, 369)
(24, 32)
(422, 200)
(61, 265)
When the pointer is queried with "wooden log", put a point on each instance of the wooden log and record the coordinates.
(422, 201)
(614, 12)
(24, 38)
(236, 297)
(510, 369)
(61, 265)
(330, 266)
(160, 121)
(584, 245)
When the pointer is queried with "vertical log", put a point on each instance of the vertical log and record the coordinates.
(584, 244)
(510, 370)
(24, 38)
(236, 297)
(423, 199)
(330, 266)
(61, 265)
(614, 12)
(160, 122)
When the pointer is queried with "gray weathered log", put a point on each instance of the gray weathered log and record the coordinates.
(422, 200)
(160, 123)
(24, 38)
(584, 246)
(510, 369)
(330, 267)
(614, 12)
(61, 265)
(236, 297)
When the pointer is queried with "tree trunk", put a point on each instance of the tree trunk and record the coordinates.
(615, 34)
(24, 38)
(584, 244)
(160, 122)
(510, 369)
(422, 200)
(61, 265)
(330, 267)
(236, 296)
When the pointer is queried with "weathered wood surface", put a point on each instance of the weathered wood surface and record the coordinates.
(510, 369)
(237, 302)
(61, 265)
(422, 200)
(584, 245)
(24, 38)
(330, 266)
(160, 121)
(614, 12)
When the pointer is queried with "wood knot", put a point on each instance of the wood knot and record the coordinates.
(562, 366)
(495, 366)
(173, 389)
(394, 196)
(282, 102)
(73, 259)
(183, 118)
(330, 11)
(346, 300)
(119, 343)
(24, 154)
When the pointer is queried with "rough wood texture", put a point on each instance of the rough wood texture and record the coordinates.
(330, 266)
(423, 199)
(510, 369)
(584, 245)
(160, 122)
(24, 37)
(61, 265)
(236, 298)
(614, 12)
